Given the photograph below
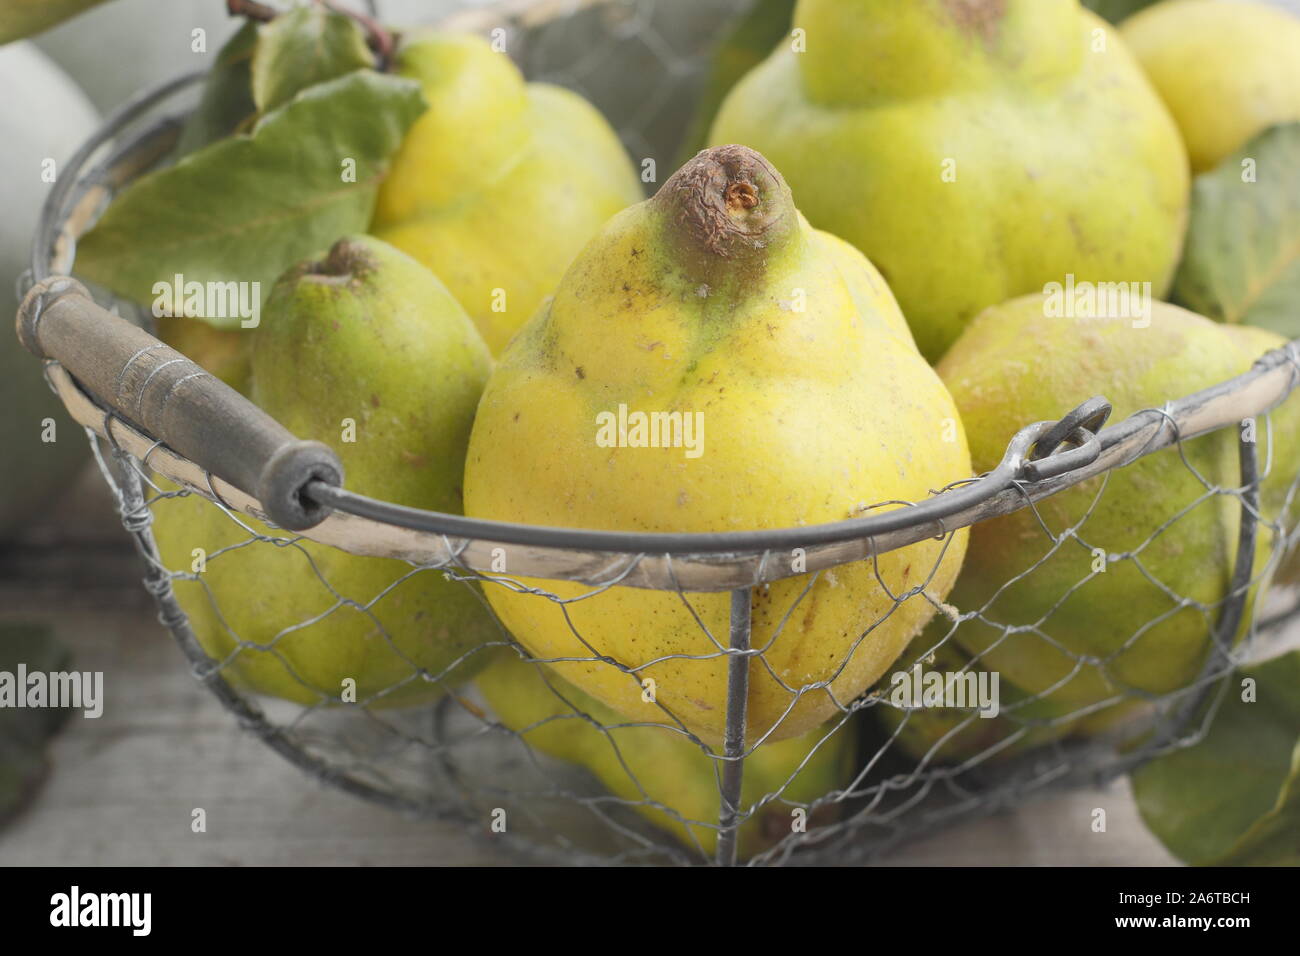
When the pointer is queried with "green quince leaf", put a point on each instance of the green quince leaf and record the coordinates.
(1242, 260)
(247, 207)
(1117, 10)
(302, 47)
(227, 99)
(1233, 799)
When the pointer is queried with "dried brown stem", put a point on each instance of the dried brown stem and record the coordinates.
(251, 10)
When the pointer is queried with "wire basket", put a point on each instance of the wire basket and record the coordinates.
(168, 436)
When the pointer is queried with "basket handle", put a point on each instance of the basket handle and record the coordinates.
(165, 395)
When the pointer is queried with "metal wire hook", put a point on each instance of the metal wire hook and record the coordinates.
(1078, 428)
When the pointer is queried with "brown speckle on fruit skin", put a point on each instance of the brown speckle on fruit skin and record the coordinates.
(579, 372)
(982, 17)
(417, 461)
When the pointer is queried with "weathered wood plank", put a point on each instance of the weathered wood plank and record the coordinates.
(124, 786)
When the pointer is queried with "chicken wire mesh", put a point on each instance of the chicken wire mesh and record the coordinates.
(565, 778)
(456, 759)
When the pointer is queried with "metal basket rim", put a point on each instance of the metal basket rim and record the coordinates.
(707, 561)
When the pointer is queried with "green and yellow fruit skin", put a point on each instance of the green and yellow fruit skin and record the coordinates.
(951, 735)
(974, 150)
(1015, 365)
(22, 18)
(716, 298)
(366, 335)
(500, 183)
(1227, 71)
(659, 767)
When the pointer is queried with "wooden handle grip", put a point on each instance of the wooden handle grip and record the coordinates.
(168, 397)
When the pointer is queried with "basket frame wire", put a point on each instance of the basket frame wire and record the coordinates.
(734, 737)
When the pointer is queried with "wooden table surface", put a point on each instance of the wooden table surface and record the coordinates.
(123, 787)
